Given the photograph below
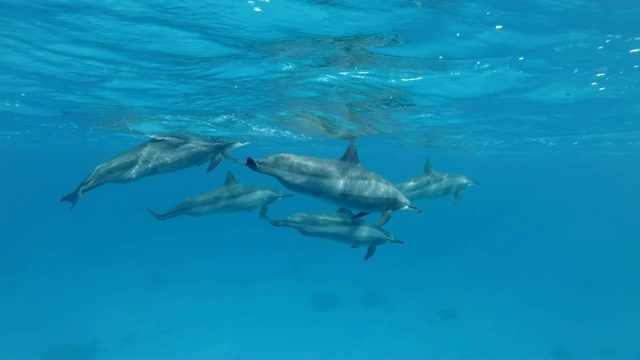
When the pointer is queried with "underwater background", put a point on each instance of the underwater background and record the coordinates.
(537, 101)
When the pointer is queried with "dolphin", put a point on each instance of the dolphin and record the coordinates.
(160, 155)
(432, 184)
(339, 226)
(230, 197)
(343, 182)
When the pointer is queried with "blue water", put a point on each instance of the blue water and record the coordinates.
(537, 101)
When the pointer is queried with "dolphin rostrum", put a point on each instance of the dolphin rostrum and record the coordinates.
(432, 184)
(160, 155)
(339, 226)
(230, 197)
(343, 182)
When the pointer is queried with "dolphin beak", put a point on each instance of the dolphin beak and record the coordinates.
(236, 145)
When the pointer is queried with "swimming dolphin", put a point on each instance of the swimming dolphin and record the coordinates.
(230, 197)
(343, 182)
(339, 226)
(432, 184)
(160, 155)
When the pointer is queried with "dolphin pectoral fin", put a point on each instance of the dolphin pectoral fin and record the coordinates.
(384, 217)
(251, 164)
(72, 198)
(359, 215)
(456, 196)
(215, 160)
(157, 216)
(371, 250)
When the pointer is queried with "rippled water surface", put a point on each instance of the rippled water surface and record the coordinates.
(537, 101)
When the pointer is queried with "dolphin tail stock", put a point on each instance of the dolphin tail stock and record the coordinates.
(72, 197)
(157, 215)
(263, 211)
(231, 158)
(263, 214)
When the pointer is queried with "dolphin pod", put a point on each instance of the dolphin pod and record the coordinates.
(343, 182)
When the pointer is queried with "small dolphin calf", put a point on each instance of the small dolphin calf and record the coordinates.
(432, 184)
(160, 155)
(230, 197)
(343, 182)
(339, 226)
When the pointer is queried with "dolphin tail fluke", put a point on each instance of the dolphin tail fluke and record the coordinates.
(72, 198)
(157, 215)
(371, 250)
(251, 164)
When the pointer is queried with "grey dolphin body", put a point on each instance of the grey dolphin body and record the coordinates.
(230, 197)
(343, 182)
(432, 184)
(339, 226)
(160, 155)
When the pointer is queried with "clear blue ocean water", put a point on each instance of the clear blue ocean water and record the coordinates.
(538, 101)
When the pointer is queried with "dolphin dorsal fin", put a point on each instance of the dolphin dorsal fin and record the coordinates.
(345, 211)
(427, 167)
(351, 154)
(230, 180)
